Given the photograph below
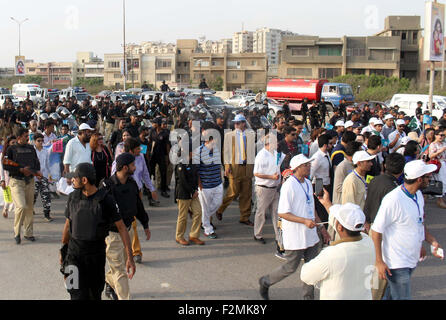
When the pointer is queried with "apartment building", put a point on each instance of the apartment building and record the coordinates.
(53, 74)
(312, 57)
(267, 40)
(242, 42)
(89, 66)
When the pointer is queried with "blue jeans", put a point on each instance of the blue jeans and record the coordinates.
(398, 284)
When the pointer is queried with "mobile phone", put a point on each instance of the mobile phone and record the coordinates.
(439, 251)
(319, 187)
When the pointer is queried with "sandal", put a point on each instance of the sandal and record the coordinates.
(5, 214)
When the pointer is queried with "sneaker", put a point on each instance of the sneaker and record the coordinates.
(17, 239)
(137, 259)
(211, 236)
(110, 293)
(280, 255)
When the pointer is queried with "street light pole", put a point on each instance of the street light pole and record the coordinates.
(125, 58)
(19, 24)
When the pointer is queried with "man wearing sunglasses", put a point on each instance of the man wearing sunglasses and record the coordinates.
(397, 136)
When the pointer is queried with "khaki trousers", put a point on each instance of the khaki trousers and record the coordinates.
(23, 199)
(136, 245)
(116, 275)
(267, 201)
(240, 183)
(378, 285)
(108, 130)
(183, 209)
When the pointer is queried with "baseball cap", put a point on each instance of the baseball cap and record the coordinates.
(299, 160)
(239, 118)
(362, 156)
(87, 170)
(85, 126)
(373, 120)
(405, 140)
(400, 122)
(349, 215)
(378, 122)
(418, 168)
(124, 159)
(340, 123)
(349, 124)
(389, 116)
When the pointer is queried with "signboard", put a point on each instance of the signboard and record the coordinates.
(434, 32)
(20, 66)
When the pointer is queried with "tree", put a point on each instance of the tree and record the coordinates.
(216, 84)
(32, 79)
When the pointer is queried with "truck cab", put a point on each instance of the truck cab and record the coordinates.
(333, 93)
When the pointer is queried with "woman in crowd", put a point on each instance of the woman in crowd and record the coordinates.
(101, 157)
(120, 147)
(437, 154)
(411, 151)
(4, 175)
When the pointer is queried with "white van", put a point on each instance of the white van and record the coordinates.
(408, 103)
(22, 90)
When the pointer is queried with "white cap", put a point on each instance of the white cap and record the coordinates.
(389, 116)
(400, 122)
(349, 215)
(340, 123)
(299, 160)
(373, 120)
(418, 168)
(362, 156)
(378, 122)
(85, 126)
(405, 140)
(349, 124)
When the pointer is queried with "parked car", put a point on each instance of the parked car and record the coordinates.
(123, 96)
(3, 98)
(360, 106)
(240, 100)
(103, 94)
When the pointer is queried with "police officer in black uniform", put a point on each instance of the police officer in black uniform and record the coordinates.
(304, 111)
(323, 110)
(314, 116)
(90, 213)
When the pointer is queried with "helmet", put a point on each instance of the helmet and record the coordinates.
(139, 113)
(44, 116)
(65, 112)
(55, 116)
(130, 110)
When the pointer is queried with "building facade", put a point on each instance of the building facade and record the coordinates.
(88, 66)
(242, 42)
(53, 74)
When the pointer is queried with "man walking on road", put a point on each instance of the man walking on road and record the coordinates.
(399, 231)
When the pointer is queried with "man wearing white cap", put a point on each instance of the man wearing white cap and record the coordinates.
(239, 157)
(399, 231)
(78, 149)
(343, 269)
(388, 127)
(339, 128)
(397, 136)
(299, 221)
(354, 189)
(349, 125)
(370, 127)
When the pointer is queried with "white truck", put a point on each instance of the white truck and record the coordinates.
(24, 90)
(408, 103)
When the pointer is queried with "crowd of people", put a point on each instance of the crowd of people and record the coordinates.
(342, 197)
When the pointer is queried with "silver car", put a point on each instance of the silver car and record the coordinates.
(240, 100)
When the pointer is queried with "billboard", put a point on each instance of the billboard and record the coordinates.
(434, 32)
(19, 66)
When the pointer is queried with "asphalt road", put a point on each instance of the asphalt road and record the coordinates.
(225, 268)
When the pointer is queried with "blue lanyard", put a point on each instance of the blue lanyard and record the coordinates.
(306, 192)
(414, 199)
(365, 183)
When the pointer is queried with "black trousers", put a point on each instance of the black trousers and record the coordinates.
(161, 162)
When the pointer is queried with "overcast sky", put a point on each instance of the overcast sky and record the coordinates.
(56, 30)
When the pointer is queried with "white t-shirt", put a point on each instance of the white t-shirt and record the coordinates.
(392, 137)
(320, 167)
(267, 163)
(343, 271)
(297, 236)
(398, 221)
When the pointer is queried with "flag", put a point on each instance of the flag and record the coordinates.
(414, 124)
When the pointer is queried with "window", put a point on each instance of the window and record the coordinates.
(31, 69)
(330, 51)
(163, 77)
(253, 63)
(415, 36)
(383, 55)
(117, 76)
(329, 73)
(233, 64)
(300, 52)
(249, 76)
(114, 64)
(234, 76)
(301, 72)
(395, 33)
(216, 63)
(403, 36)
(199, 76)
(355, 52)
(163, 64)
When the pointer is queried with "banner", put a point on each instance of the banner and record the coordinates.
(20, 66)
(434, 32)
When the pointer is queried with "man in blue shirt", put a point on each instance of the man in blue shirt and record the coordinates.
(207, 160)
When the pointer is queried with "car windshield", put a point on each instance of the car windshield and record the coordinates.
(346, 90)
(81, 96)
(33, 93)
(213, 100)
(52, 94)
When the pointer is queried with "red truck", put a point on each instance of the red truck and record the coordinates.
(295, 90)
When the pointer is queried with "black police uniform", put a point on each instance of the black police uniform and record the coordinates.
(90, 221)
(25, 155)
(314, 117)
(133, 129)
(323, 111)
(159, 141)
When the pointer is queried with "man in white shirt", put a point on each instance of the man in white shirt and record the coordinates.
(341, 269)
(370, 127)
(267, 179)
(299, 221)
(42, 185)
(321, 163)
(399, 231)
(396, 137)
(78, 149)
(48, 133)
